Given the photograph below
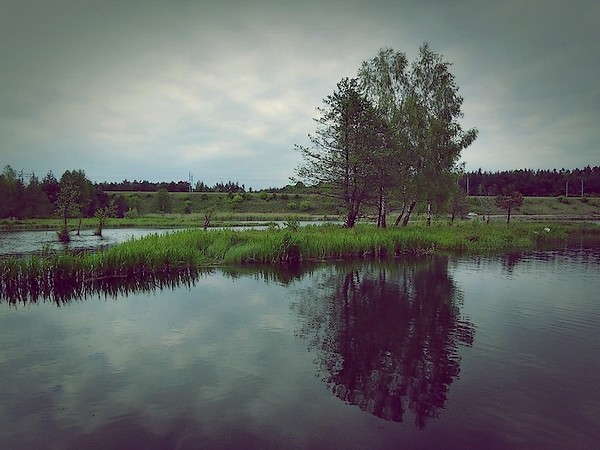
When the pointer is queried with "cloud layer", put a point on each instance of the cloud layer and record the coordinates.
(156, 89)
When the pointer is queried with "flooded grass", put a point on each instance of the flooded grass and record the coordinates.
(188, 250)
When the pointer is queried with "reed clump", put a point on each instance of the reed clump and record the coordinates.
(186, 251)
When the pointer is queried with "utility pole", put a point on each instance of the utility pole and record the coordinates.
(191, 181)
(566, 189)
(582, 188)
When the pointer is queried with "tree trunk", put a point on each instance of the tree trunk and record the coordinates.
(350, 220)
(408, 213)
(399, 218)
(382, 211)
(428, 214)
(207, 216)
(508, 216)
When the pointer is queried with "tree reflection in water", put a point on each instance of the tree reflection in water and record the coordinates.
(387, 336)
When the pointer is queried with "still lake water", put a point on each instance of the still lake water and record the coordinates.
(31, 242)
(462, 352)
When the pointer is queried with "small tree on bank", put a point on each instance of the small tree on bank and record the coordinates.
(102, 214)
(509, 203)
(163, 200)
(67, 206)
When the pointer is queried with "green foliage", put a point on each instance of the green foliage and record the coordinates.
(341, 159)
(304, 205)
(292, 224)
(392, 133)
(131, 213)
(422, 108)
(564, 200)
(102, 214)
(67, 203)
(86, 192)
(292, 205)
(509, 203)
(163, 201)
(63, 235)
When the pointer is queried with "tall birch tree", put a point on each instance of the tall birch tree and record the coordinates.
(422, 108)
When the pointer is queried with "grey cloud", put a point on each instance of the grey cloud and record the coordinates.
(88, 83)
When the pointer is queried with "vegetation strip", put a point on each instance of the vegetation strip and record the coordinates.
(191, 250)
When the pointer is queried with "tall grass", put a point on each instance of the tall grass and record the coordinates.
(178, 253)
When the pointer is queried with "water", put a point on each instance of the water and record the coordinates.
(20, 243)
(484, 352)
(31, 242)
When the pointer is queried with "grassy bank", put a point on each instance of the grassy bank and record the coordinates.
(219, 219)
(561, 207)
(255, 208)
(191, 250)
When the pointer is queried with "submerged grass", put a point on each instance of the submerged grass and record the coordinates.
(189, 250)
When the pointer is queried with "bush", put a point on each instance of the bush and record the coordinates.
(564, 200)
(63, 235)
(131, 213)
(292, 224)
(292, 205)
(304, 205)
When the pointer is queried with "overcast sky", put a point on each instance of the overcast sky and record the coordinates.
(155, 89)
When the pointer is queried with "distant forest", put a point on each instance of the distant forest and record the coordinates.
(530, 183)
(172, 186)
(535, 183)
(28, 197)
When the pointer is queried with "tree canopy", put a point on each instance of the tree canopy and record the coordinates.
(408, 130)
(341, 158)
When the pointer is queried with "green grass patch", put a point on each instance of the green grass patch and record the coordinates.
(180, 252)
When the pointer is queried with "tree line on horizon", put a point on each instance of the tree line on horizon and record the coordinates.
(31, 197)
(534, 183)
(172, 186)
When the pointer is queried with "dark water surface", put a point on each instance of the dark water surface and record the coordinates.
(27, 242)
(485, 352)
(31, 242)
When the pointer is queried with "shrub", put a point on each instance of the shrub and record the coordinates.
(292, 224)
(564, 200)
(131, 213)
(237, 198)
(292, 205)
(304, 205)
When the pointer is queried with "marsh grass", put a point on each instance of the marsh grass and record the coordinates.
(175, 254)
